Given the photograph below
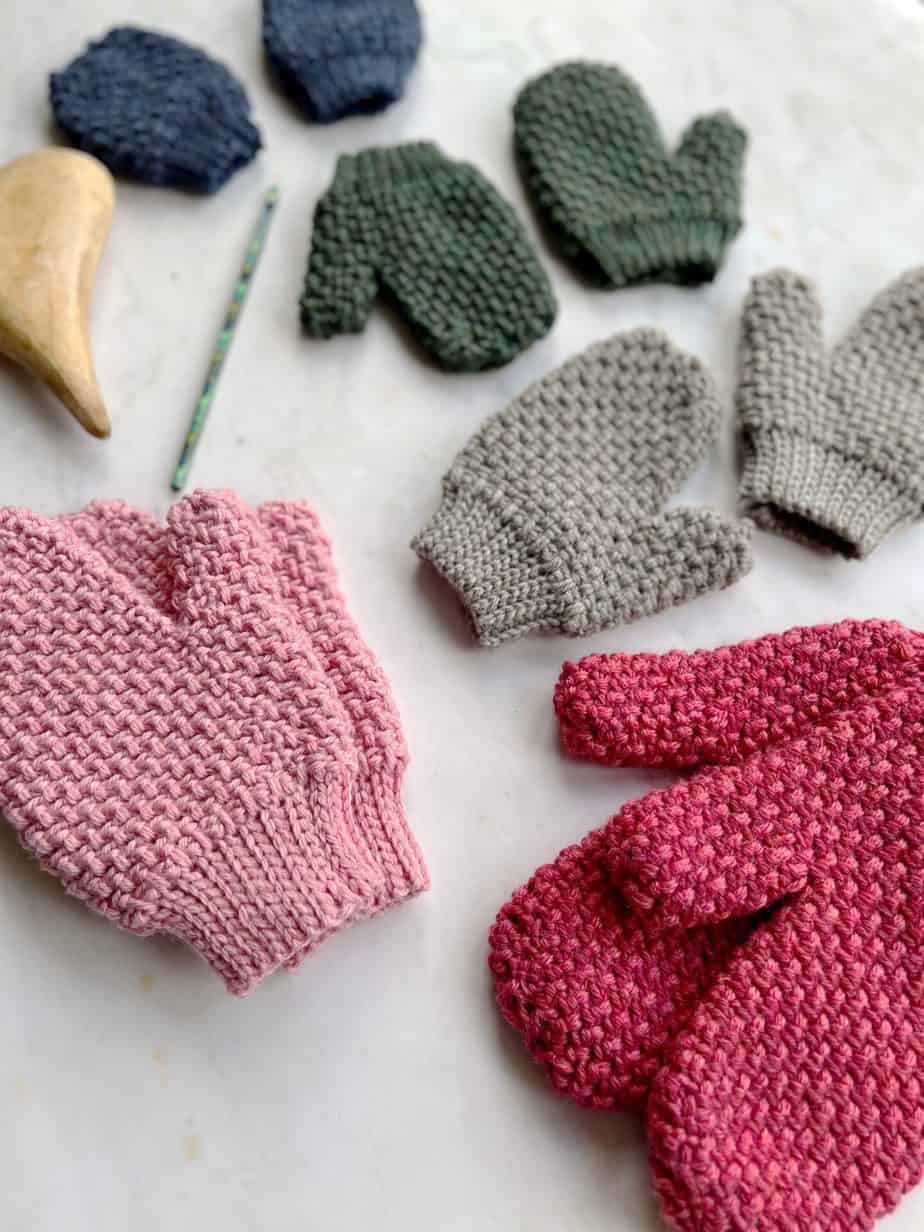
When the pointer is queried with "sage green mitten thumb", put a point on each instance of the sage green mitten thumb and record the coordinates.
(439, 238)
(833, 445)
(622, 207)
(553, 516)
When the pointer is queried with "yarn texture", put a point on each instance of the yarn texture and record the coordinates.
(155, 109)
(246, 755)
(833, 445)
(793, 1098)
(336, 58)
(552, 517)
(621, 206)
(598, 988)
(135, 543)
(439, 239)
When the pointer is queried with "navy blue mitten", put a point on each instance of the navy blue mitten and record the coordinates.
(336, 58)
(155, 109)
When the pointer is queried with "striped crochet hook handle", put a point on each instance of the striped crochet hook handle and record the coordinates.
(197, 424)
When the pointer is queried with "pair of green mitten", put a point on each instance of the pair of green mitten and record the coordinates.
(439, 238)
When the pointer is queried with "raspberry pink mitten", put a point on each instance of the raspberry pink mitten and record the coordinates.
(183, 767)
(133, 542)
(597, 990)
(594, 992)
(793, 1097)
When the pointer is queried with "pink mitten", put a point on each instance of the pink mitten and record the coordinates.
(793, 1096)
(133, 543)
(183, 766)
(597, 989)
(304, 564)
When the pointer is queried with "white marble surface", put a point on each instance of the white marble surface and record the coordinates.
(376, 1087)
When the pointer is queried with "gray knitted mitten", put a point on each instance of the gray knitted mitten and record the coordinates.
(552, 516)
(833, 446)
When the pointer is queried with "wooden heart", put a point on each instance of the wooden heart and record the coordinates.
(55, 210)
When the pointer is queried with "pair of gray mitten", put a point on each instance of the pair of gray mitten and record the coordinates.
(553, 516)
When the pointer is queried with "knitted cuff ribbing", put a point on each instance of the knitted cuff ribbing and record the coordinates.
(804, 489)
(249, 897)
(382, 831)
(381, 167)
(686, 251)
(358, 84)
(224, 144)
(383, 828)
(507, 588)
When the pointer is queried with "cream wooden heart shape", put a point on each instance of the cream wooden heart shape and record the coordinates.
(55, 210)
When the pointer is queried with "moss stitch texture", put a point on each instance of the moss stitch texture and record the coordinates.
(438, 238)
(620, 205)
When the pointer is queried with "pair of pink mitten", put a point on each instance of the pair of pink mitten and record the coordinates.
(193, 736)
(742, 954)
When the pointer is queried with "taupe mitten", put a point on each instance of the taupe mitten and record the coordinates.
(552, 517)
(833, 445)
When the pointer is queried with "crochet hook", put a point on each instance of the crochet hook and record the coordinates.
(225, 338)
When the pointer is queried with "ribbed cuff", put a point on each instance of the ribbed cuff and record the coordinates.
(803, 489)
(252, 893)
(388, 166)
(359, 84)
(382, 823)
(687, 251)
(383, 832)
(505, 586)
(222, 145)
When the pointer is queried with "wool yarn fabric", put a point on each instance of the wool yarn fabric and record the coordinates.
(552, 517)
(621, 206)
(134, 543)
(599, 990)
(336, 58)
(793, 1097)
(155, 109)
(175, 752)
(437, 236)
(833, 446)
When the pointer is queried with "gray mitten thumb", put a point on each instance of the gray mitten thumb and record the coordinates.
(668, 559)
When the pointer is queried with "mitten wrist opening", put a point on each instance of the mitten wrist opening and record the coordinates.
(811, 492)
(506, 588)
(688, 251)
(385, 167)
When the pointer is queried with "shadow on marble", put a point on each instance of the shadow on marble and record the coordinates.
(445, 606)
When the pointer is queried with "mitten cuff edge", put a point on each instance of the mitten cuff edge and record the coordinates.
(809, 491)
(680, 250)
(274, 889)
(473, 548)
(380, 167)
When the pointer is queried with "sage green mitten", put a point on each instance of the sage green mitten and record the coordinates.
(438, 237)
(622, 207)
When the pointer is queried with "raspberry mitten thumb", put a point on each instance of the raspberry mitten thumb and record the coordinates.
(597, 989)
(792, 1097)
(183, 767)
